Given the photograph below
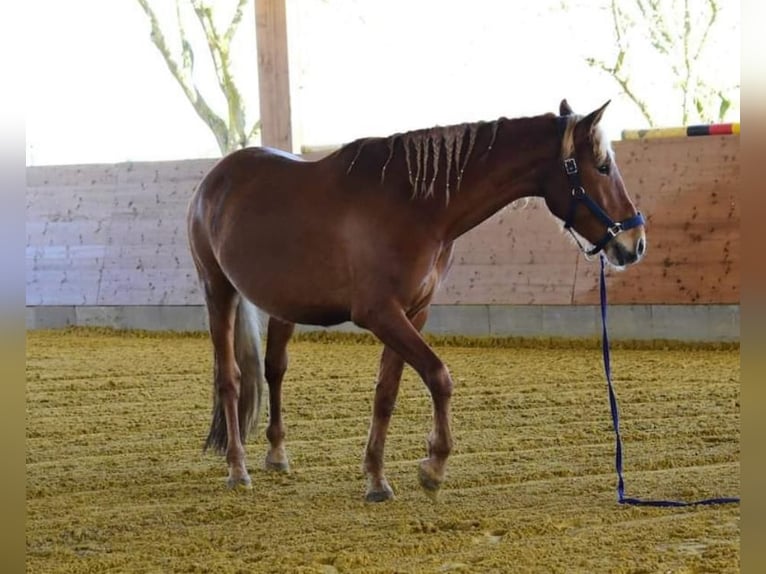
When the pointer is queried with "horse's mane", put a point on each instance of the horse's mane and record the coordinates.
(602, 148)
(423, 149)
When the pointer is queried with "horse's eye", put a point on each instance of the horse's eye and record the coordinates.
(604, 169)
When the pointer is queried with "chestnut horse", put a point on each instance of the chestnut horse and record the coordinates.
(366, 234)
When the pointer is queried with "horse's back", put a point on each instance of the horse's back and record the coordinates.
(259, 175)
(267, 217)
(301, 238)
(246, 164)
(268, 152)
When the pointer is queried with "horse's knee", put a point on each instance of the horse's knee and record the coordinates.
(274, 368)
(439, 382)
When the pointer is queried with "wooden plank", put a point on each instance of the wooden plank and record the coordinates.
(156, 204)
(64, 286)
(513, 235)
(64, 234)
(53, 202)
(188, 172)
(66, 175)
(63, 275)
(145, 286)
(517, 256)
(66, 256)
(689, 191)
(522, 284)
(699, 276)
(124, 230)
(273, 74)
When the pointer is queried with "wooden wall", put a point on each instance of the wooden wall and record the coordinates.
(115, 235)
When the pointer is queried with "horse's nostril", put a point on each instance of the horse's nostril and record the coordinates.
(640, 247)
(621, 253)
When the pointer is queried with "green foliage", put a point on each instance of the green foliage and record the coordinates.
(678, 32)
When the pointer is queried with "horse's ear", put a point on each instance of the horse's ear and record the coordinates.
(564, 108)
(591, 120)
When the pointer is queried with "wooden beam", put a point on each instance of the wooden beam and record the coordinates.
(273, 74)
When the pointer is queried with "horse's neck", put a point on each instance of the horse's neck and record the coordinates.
(511, 169)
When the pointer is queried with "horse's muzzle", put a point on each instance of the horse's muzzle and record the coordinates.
(625, 249)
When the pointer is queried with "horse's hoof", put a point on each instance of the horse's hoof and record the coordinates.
(242, 483)
(381, 494)
(428, 481)
(278, 463)
(280, 466)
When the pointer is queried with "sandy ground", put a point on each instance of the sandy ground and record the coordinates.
(117, 482)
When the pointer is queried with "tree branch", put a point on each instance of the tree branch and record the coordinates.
(686, 79)
(623, 82)
(187, 54)
(713, 15)
(254, 130)
(661, 39)
(617, 20)
(219, 50)
(203, 110)
(236, 19)
(211, 35)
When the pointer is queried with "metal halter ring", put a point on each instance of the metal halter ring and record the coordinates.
(615, 229)
(570, 166)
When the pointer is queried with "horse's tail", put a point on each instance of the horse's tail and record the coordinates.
(247, 352)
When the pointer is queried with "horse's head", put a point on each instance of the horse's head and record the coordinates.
(587, 192)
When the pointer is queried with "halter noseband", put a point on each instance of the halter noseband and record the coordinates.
(613, 228)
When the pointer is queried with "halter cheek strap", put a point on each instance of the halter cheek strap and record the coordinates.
(613, 228)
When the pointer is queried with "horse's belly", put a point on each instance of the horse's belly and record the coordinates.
(297, 304)
(324, 317)
(305, 289)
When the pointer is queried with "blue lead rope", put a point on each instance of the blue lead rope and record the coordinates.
(616, 421)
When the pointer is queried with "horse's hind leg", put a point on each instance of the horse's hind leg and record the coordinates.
(279, 334)
(222, 299)
(386, 390)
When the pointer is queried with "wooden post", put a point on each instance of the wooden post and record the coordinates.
(273, 74)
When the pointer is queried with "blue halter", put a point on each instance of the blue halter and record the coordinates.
(579, 195)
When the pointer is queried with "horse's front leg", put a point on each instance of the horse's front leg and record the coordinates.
(386, 390)
(392, 327)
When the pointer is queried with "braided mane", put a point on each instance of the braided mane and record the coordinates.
(424, 148)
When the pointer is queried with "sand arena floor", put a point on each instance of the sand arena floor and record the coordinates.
(117, 482)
